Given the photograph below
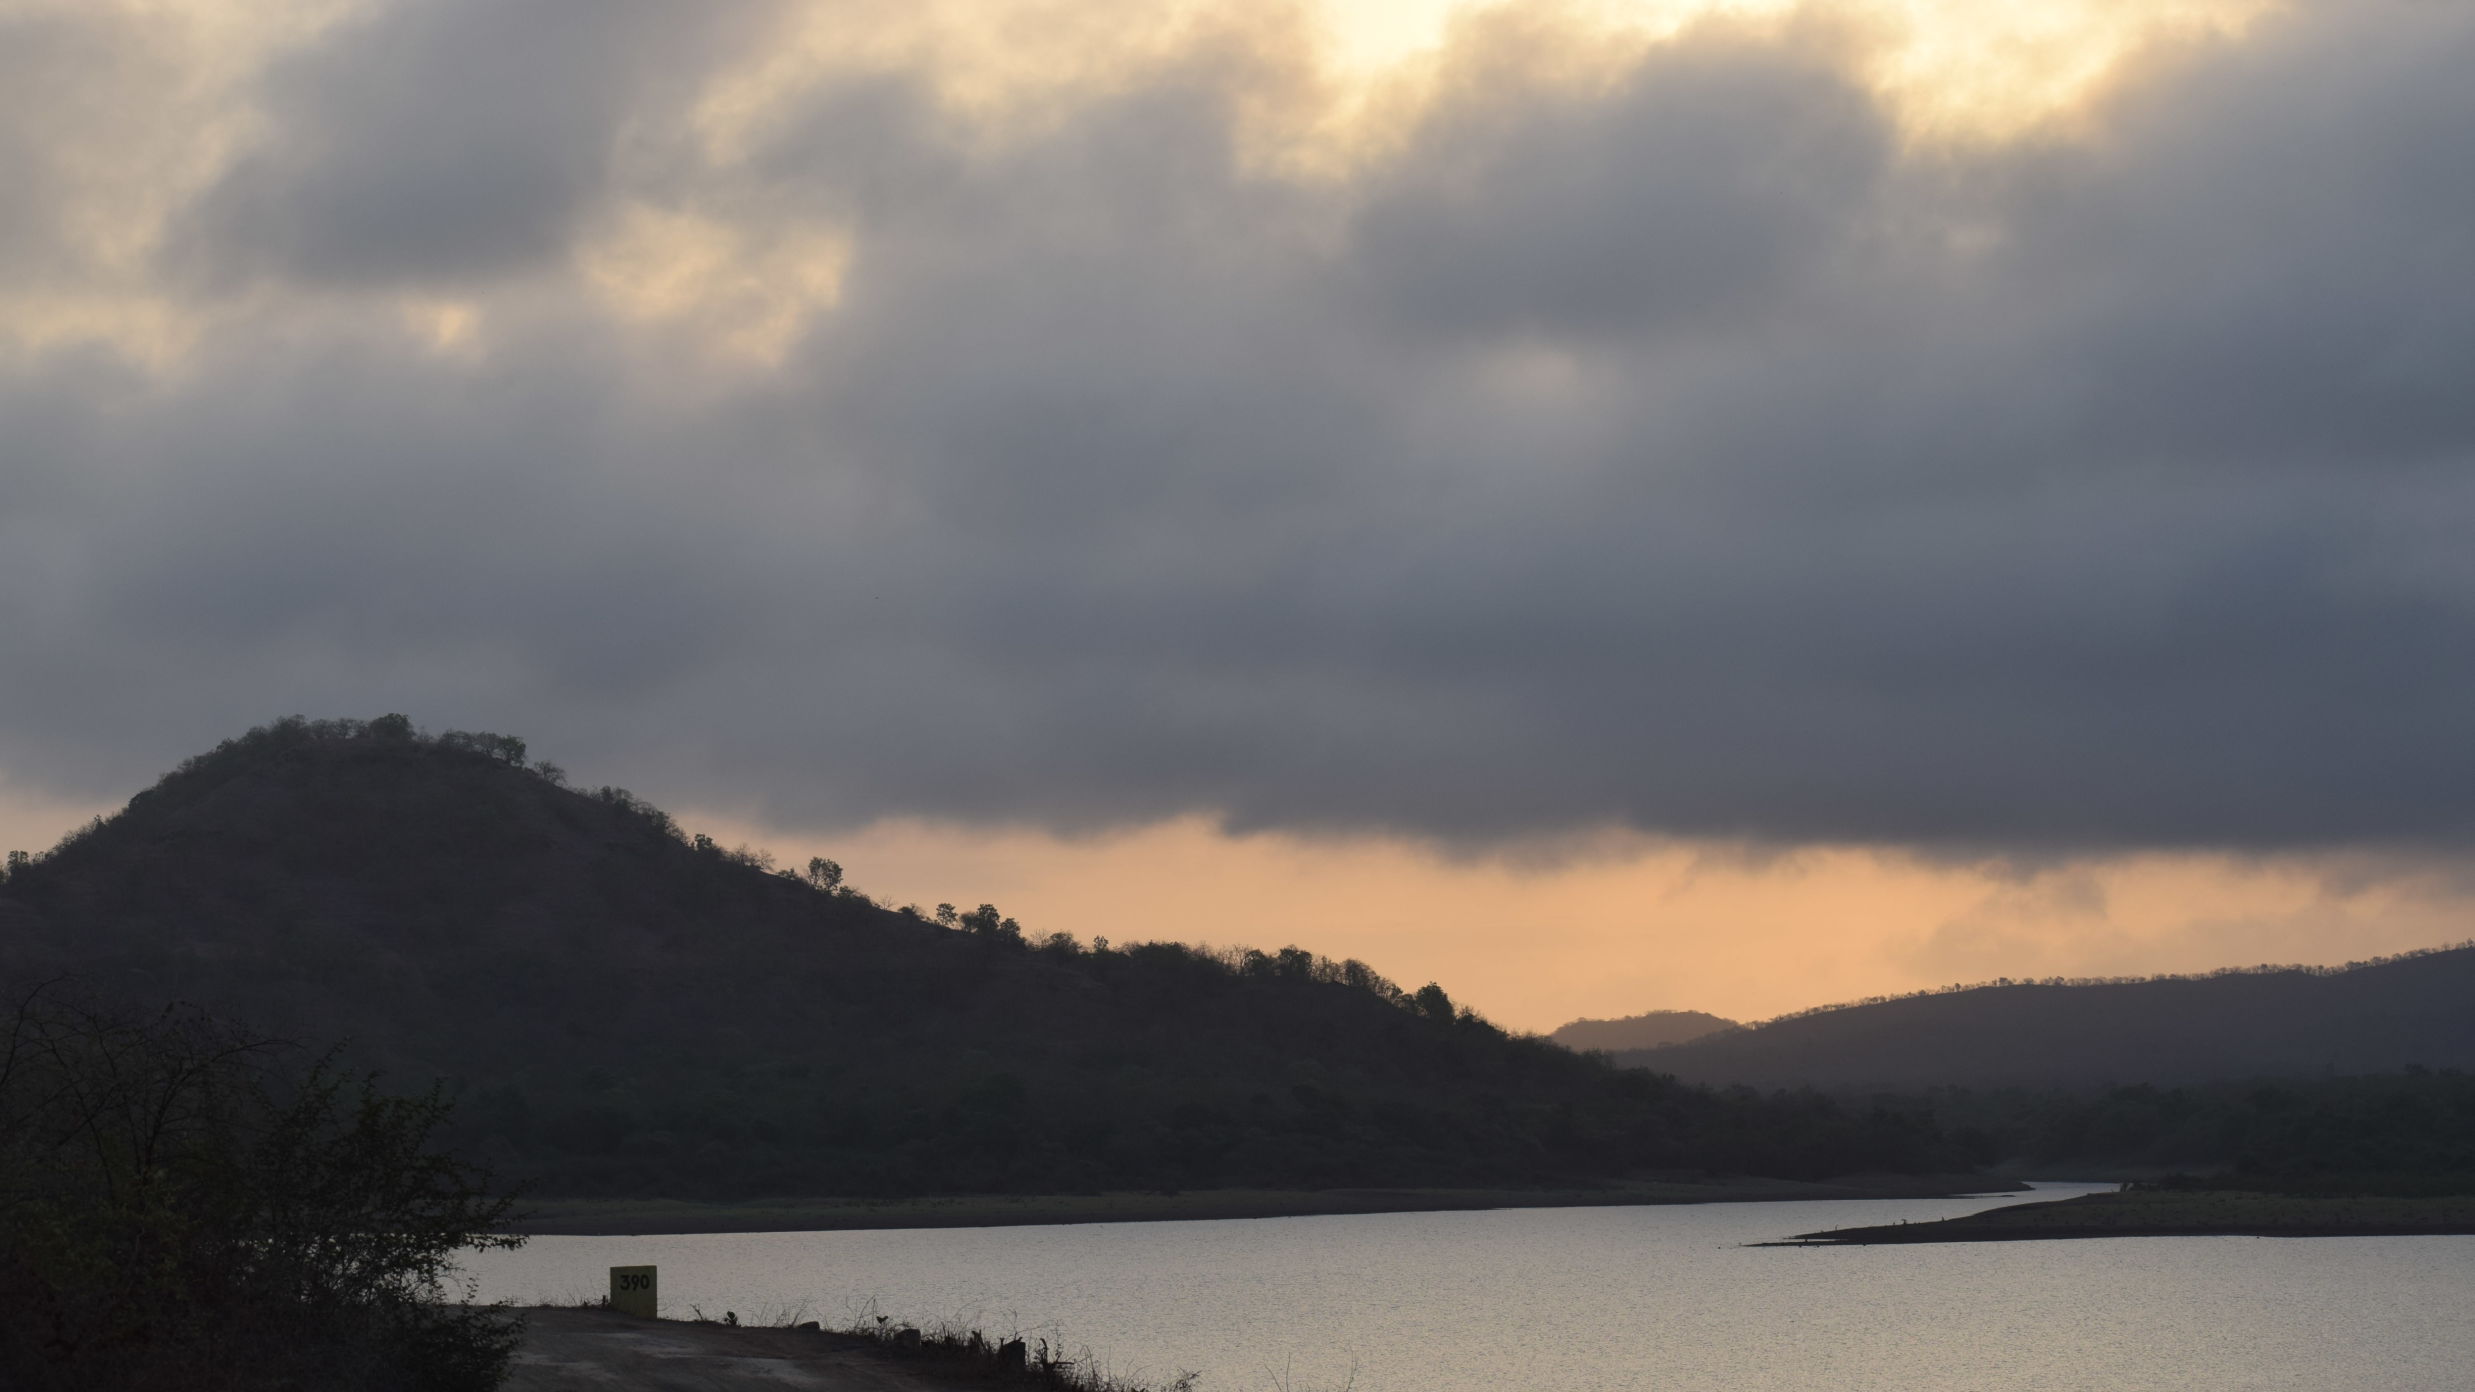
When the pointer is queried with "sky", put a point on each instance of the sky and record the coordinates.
(1607, 506)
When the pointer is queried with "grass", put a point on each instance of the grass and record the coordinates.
(1027, 1360)
(960, 1353)
(968, 1355)
(949, 1354)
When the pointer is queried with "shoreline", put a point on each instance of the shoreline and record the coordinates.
(664, 1217)
(585, 1349)
(2203, 1213)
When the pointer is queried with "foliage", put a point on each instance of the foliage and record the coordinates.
(2411, 1131)
(2215, 974)
(2366, 1017)
(1649, 1031)
(962, 1355)
(632, 1011)
(183, 1206)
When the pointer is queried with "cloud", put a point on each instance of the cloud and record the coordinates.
(1696, 196)
(444, 143)
(1684, 449)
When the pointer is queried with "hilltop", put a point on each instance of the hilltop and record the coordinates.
(1651, 1030)
(2295, 1022)
(626, 1009)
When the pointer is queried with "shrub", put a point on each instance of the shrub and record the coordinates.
(185, 1206)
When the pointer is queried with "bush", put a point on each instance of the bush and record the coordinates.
(185, 1206)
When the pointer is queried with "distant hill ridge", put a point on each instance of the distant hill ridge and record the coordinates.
(2377, 1015)
(2214, 973)
(1650, 1030)
(630, 1009)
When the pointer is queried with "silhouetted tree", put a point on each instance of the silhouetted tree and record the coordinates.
(178, 1210)
(643, 1014)
(986, 922)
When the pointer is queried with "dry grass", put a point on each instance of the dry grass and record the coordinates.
(1017, 1360)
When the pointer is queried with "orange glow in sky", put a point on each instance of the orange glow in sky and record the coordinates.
(1619, 924)
(1625, 924)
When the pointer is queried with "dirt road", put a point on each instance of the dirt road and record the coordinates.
(599, 1351)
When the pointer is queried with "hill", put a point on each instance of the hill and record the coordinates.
(2293, 1022)
(627, 1010)
(2365, 1130)
(1649, 1031)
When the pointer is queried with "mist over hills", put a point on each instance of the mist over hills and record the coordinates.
(2280, 1022)
(628, 1009)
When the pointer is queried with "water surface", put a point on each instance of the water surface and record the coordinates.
(1609, 1300)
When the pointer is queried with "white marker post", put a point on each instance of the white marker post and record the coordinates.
(633, 1291)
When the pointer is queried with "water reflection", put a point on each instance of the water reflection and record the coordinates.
(1611, 1299)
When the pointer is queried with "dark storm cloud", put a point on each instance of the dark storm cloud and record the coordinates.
(1675, 451)
(444, 142)
(1692, 197)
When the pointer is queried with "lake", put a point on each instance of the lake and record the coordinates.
(1606, 1300)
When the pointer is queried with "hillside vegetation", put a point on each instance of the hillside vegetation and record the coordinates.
(2265, 1022)
(2366, 1133)
(187, 1208)
(1647, 1031)
(624, 1009)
